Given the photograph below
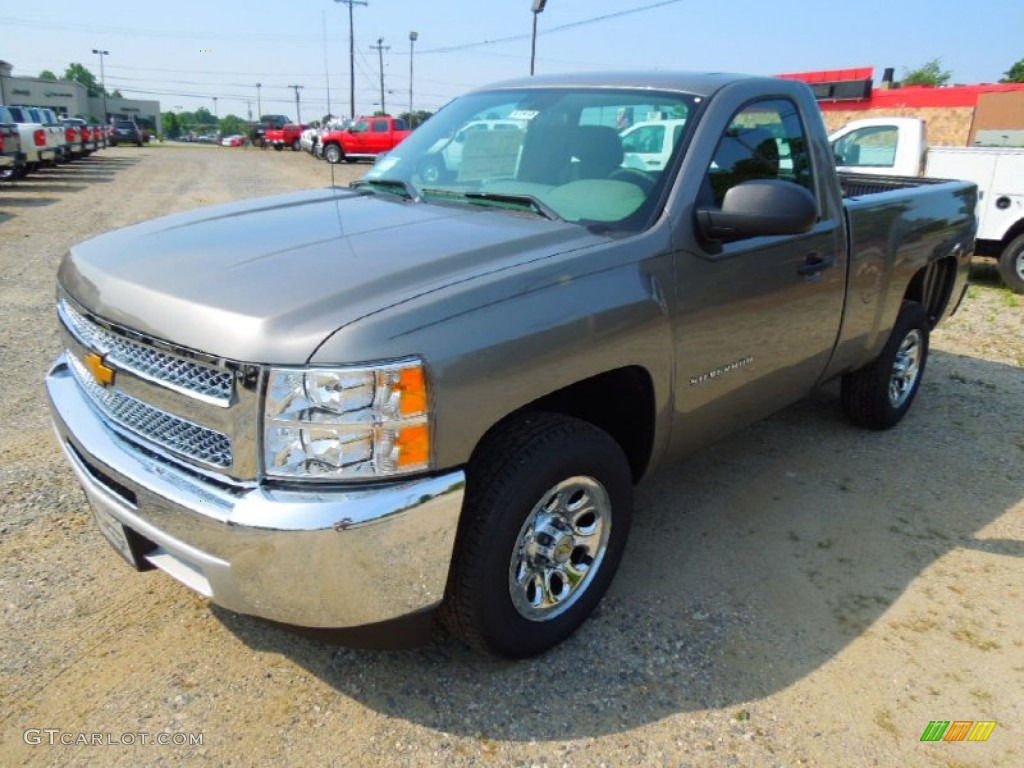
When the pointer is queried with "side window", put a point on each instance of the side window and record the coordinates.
(380, 126)
(400, 125)
(873, 147)
(644, 139)
(764, 140)
(361, 127)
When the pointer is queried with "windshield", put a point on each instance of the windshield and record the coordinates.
(556, 152)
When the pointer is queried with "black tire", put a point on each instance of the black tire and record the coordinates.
(431, 169)
(333, 153)
(879, 395)
(1011, 264)
(296, 146)
(513, 536)
(278, 147)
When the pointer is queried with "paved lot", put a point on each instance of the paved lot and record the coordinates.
(804, 593)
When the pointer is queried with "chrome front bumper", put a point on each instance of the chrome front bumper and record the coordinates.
(331, 557)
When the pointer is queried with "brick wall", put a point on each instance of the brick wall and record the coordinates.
(947, 126)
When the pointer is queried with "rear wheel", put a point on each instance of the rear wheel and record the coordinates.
(544, 526)
(296, 146)
(879, 395)
(1011, 264)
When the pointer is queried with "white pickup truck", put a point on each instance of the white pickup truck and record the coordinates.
(898, 146)
(647, 145)
(35, 139)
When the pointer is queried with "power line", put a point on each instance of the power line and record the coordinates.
(552, 30)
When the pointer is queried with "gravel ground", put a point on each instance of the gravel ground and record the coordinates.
(803, 593)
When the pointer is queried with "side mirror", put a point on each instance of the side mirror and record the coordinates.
(759, 208)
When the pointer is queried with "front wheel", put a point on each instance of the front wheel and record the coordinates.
(879, 395)
(296, 146)
(544, 526)
(333, 154)
(1011, 265)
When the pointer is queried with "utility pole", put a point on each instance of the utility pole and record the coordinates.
(380, 48)
(538, 8)
(298, 112)
(327, 71)
(259, 104)
(103, 80)
(413, 37)
(352, 55)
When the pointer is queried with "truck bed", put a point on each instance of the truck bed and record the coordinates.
(859, 184)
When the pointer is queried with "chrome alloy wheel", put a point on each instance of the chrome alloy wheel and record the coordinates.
(905, 368)
(559, 548)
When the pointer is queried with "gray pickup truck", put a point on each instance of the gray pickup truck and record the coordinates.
(361, 408)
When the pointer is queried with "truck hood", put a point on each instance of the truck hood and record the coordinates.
(267, 280)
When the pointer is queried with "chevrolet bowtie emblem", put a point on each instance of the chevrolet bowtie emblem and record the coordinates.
(102, 373)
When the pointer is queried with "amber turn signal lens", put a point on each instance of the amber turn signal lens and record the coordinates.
(413, 390)
(413, 444)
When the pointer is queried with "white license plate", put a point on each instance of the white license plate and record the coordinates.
(114, 533)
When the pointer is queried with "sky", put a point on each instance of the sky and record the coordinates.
(185, 52)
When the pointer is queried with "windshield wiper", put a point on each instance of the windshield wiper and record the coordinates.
(402, 188)
(538, 205)
(529, 201)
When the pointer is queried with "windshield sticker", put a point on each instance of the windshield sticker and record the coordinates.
(523, 114)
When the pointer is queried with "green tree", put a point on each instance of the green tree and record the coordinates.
(171, 125)
(1014, 74)
(417, 118)
(232, 124)
(47, 75)
(80, 74)
(929, 73)
(203, 116)
(117, 94)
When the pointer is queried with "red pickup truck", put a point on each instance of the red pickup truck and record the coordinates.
(286, 136)
(366, 138)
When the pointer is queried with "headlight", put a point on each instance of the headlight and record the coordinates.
(345, 423)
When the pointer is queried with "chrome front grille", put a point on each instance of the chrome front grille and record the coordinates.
(164, 429)
(173, 372)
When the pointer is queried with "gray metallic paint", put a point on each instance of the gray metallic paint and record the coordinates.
(505, 309)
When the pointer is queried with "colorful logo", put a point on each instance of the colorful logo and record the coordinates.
(103, 374)
(958, 730)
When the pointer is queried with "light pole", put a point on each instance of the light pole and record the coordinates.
(538, 8)
(352, 55)
(103, 79)
(259, 104)
(413, 36)
(380, 48)
(298, 112)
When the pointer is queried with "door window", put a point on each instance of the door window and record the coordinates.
(873, 147)
(764, 140)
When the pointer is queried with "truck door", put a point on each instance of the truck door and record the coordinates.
(359, 138)
(379, 137)
(757, 318)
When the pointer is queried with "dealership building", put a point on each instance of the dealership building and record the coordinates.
(71, 99)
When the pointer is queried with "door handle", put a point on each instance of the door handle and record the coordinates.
(814, 264)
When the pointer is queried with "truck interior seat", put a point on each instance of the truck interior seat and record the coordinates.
(598, 152)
